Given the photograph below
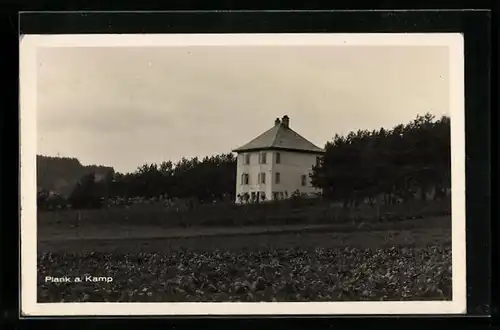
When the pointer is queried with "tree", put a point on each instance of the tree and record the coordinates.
(394, 163)
(206, 180)
(86, 193)
(389, 164)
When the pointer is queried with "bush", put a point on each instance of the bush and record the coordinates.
(50, 201)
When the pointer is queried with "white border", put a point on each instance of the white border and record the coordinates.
(28, 95)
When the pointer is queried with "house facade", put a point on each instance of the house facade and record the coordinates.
(275, 164)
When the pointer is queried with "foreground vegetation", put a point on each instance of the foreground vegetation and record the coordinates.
(403, 264)
(283, 274)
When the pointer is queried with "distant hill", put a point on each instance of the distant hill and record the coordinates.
(60, 174)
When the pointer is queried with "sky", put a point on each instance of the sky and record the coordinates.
(127, 106)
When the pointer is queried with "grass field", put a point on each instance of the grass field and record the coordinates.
(411, 264)
(341, 261)
(128, 239)
(287, 212)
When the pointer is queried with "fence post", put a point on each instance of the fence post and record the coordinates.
(77, 224)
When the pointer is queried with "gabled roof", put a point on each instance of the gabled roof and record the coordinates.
(281, 136)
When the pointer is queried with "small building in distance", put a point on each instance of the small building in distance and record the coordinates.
(276, 164)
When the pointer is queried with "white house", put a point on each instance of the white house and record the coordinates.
(275, 164)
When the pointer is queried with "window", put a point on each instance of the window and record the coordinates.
(277, 177)
(318, 161)
(278, 158)
(262, 177)
(247, 159)
(303, 180)
(245, 178)
(263, 158)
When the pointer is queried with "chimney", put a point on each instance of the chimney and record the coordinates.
(277, 122)
(286, 121)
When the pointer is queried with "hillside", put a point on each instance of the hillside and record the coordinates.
(60, 174)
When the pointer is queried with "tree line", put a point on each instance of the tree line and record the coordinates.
(203, 180)
(62, 173)
(404, 162)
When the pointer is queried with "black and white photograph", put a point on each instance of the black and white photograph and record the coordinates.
(242, 174)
